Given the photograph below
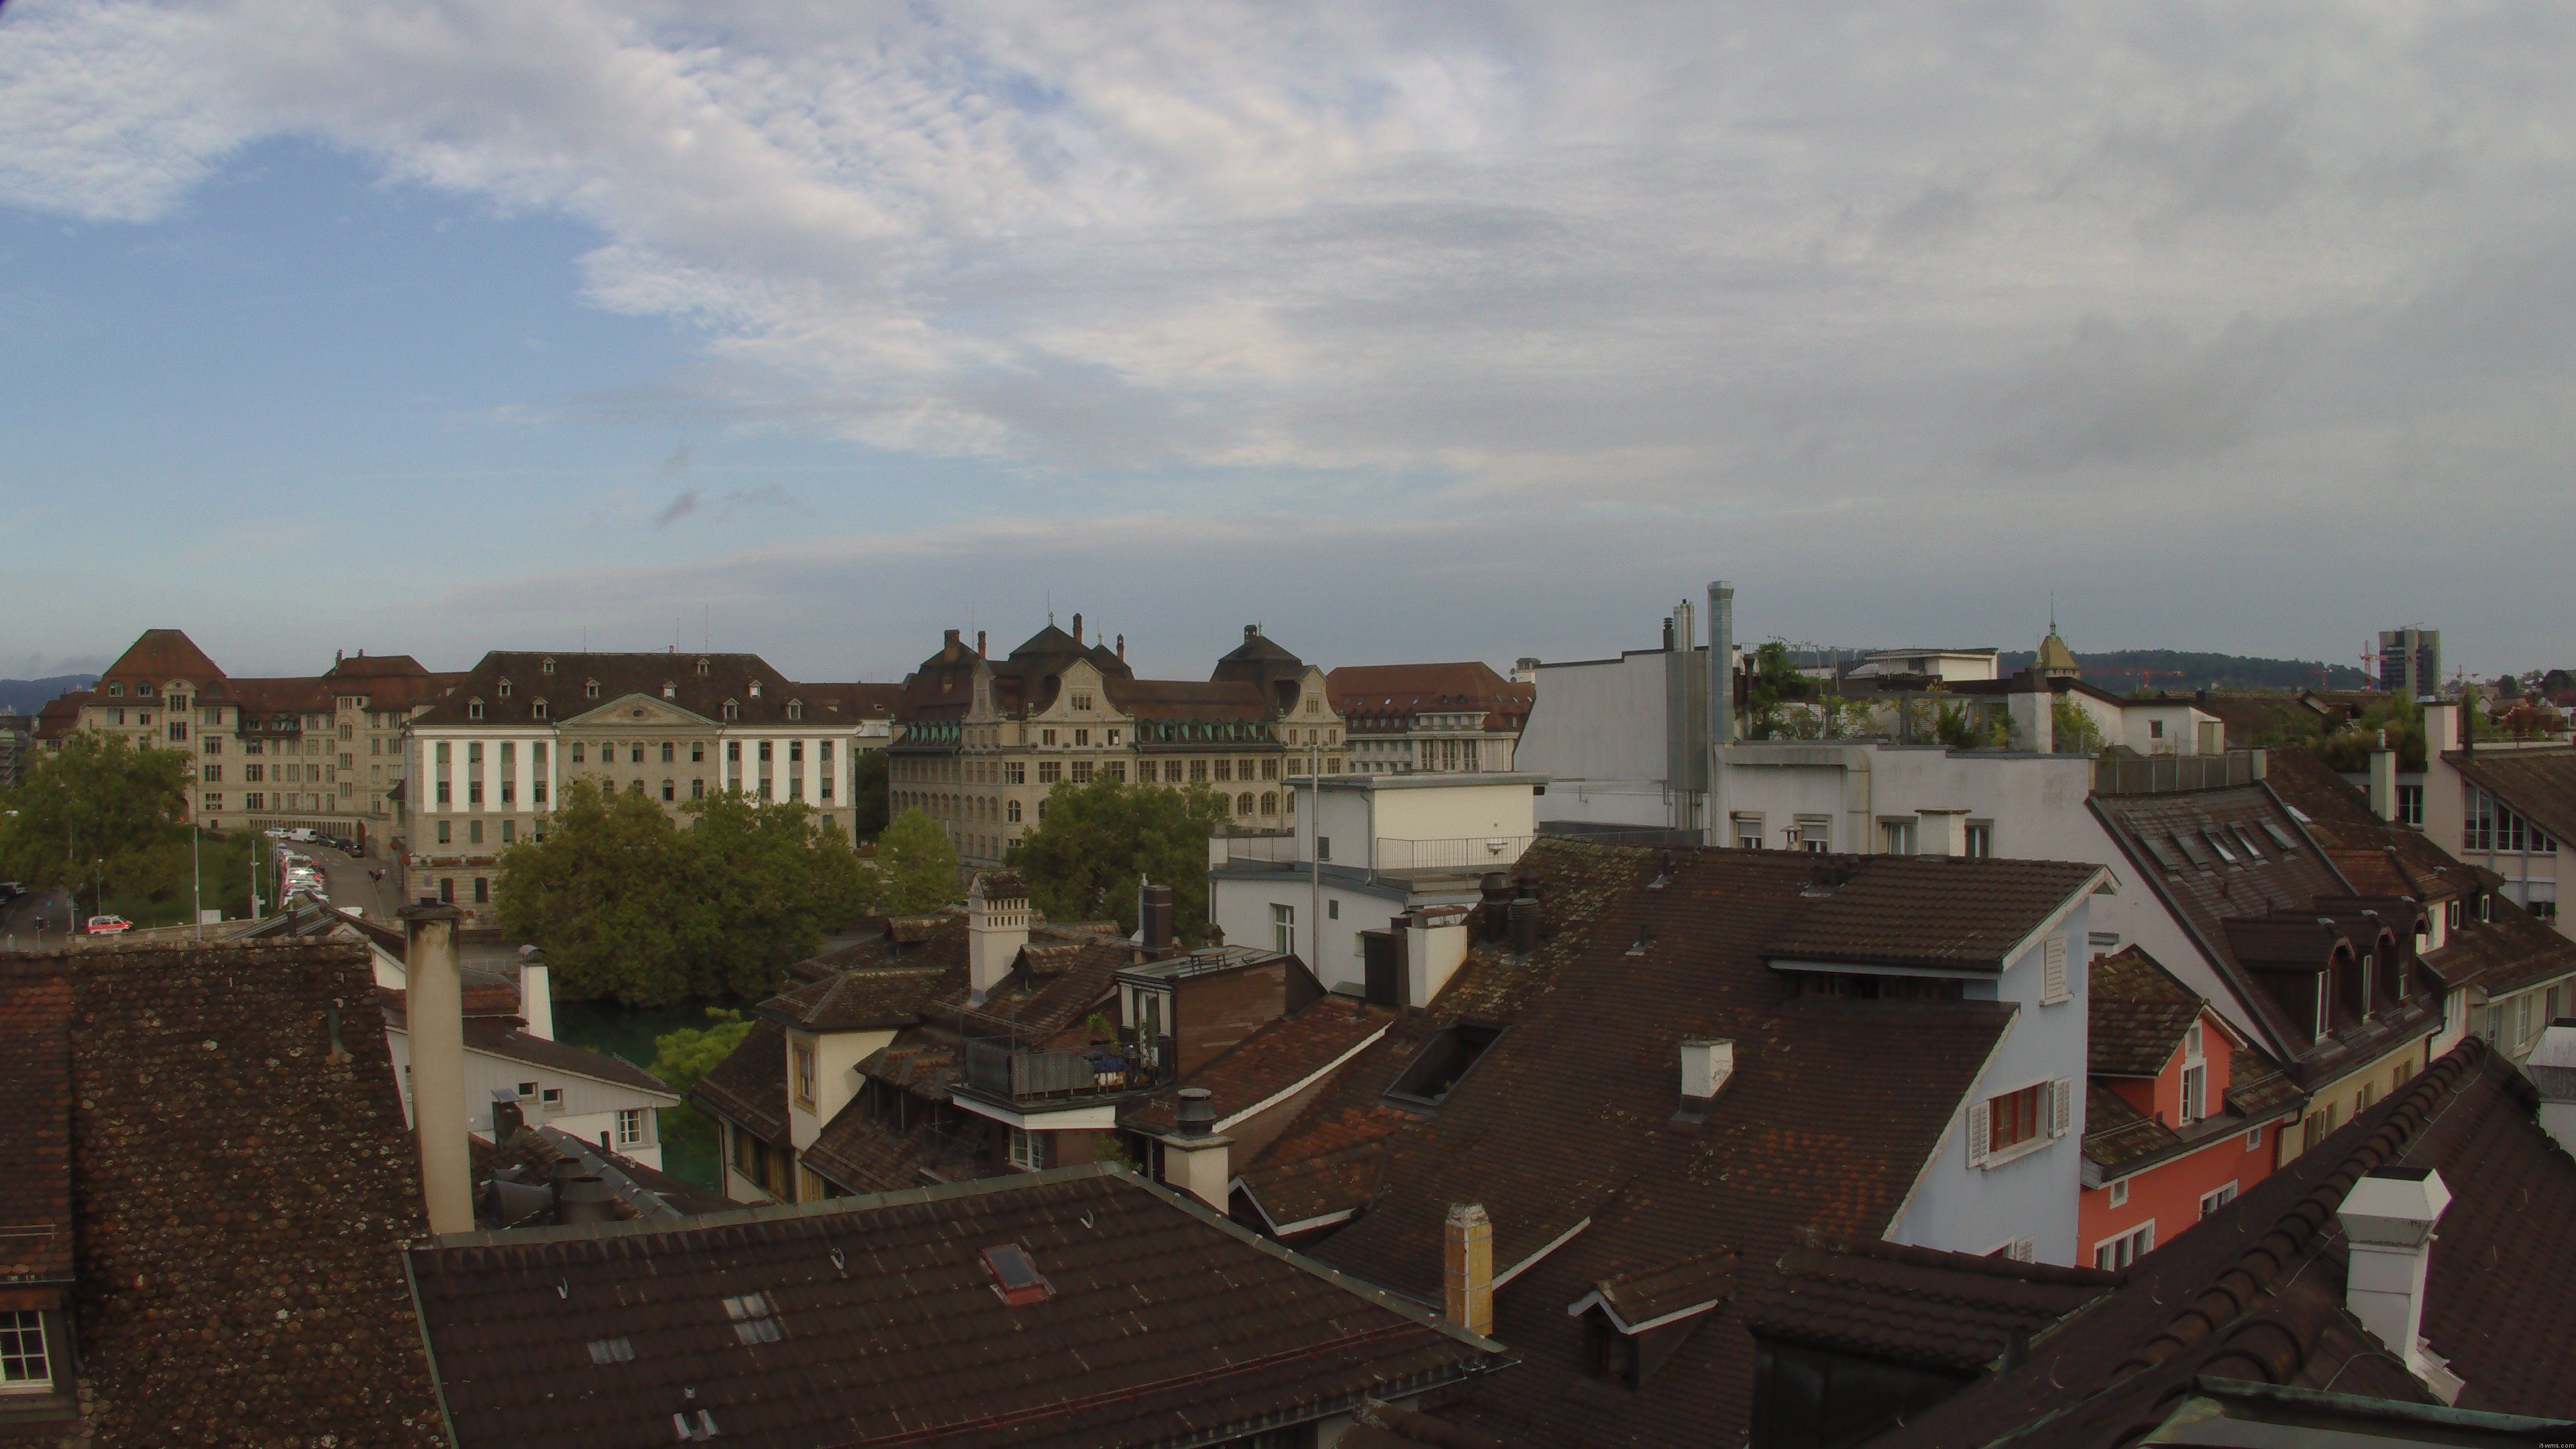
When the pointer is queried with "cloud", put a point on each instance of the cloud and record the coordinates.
(678, 508)
(679, 460)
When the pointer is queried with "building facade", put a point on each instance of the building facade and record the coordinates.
(1430, 718)
(980, 741)
(2410, 662)
(489, 761)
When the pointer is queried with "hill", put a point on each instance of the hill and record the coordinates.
(2124, 670)
(26, 696)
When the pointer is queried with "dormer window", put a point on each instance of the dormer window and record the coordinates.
(795, 708)
(591, 689)
(504, 689)
(732, 710)
(116, 691)
(755, 689)
(144, 690)
(702, 666)
(473, 709)
(538, 709)
(548, 666)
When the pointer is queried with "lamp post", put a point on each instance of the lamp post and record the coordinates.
(197, 882)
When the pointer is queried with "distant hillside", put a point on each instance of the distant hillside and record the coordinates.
(26, 696)
(2123, 670)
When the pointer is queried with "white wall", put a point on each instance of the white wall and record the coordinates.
(1240, 906)
(1977, 1209)
(589, 1106)
(1597, 730)
(837, 1056)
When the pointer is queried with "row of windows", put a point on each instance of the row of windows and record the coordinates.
(577, 752)
(2490, 824)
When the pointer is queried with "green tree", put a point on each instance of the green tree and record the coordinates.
(767, 883)
(1775, 683)
(1095, 843)
(918, 864)
(2072, 730)
(99, 799)
(607, 894)
(868, 798)
(680, 1059)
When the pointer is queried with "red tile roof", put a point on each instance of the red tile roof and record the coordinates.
(1375, 698)
(1956, 1312)
(1157, 1322)
(1273, 1061)
(159, 656)
(36, 1082)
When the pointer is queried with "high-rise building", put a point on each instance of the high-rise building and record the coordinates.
(2410, 661)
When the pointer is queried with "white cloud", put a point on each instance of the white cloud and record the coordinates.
(1690, 259)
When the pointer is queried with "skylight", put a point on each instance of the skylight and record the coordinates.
(1016, 1276)
(2218, 842)
(612, 1350)
(2245, 838)
(754, 1318)
(2190, 849)
(2279, 836)
(2162, 852)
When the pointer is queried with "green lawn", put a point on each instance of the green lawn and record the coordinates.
(222, 871)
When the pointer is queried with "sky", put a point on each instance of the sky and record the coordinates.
(1409, 332)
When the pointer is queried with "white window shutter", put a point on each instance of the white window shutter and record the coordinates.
(2052, 984)
(1980, 1132)
(2061, 1106)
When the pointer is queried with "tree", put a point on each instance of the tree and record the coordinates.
(868, 798)
(1774, 684)
(918, 864)
(1095, 844)
(769, 883)
(98, 799)
(680, 1059)
(2072, 730)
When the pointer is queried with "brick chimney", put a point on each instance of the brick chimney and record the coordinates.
(1077, 628)
(979, 643)
(2388, 1220)
(1467, 1268)
(435, 1009)
(997, 927)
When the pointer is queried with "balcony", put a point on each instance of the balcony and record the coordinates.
(1019, 1074)
(1454, 853)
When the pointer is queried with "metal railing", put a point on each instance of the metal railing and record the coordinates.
(1020, 1074)
(1464, 852)
(2128, 774)
(1262, 850)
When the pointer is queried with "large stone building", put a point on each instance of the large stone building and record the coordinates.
(323, 752)
(489, 761)
(980, 741)
(1430, 718)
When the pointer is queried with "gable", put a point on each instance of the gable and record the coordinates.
(637, 711)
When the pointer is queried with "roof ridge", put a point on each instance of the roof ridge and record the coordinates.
(2227, 1297)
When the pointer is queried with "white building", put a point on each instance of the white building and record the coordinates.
(1367, 849)
(1947, 665)
(1623, 742)
(2506, 805)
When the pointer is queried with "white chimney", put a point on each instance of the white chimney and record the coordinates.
(1706, 1064)
(536, 994)
(1195, 1154)
(2552, 1068)
(1435, 946)
(2388, 1220)
(435, 1007)
(1942, 832)
(997, 927)
(2383, 780)
(2441, 728)
(1467, 1268)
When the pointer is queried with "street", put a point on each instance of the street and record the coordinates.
(345, 879)
(18, 920)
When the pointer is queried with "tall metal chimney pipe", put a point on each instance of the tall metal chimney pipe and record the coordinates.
(1721, 703)
(435, 1005)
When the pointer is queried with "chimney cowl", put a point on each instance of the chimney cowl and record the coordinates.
(1077, 628)
(1196, 1116)
(584, 1199)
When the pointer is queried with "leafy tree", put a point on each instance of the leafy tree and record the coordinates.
(1960, 729)
(1774, 684)
(918, 863)
(680, 1059)
(1095, 844)
(628, 903)
(868, 798)
(2072, 730)
(2532, 719)
(99, 799)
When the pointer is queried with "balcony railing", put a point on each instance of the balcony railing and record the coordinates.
(1020, 1074)
(1463, 852)
(1262, 850)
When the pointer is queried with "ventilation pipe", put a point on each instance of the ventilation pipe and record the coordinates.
(997, 928)
(1195, 1154)
(536, 993)
(1467, 1268)
(585, 1199)
(2388, 1220)
(1721, 702)
(1154, 916)
(2383, 780)
(435, 1006)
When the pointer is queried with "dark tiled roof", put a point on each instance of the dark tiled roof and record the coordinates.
(2267, 718)
(1378, 697)
(1647, 1295)
(2338, 815)
(2257, 1088)
(1568, 1118)
(2118, 1136)
(1161, 1322)
(1271, 1061)
(158, 656)
(728, 678)
(864, 1155)
(849, 701)
(856, 1000)
(2255, 1291)
(36, 1128)
(61, 714)
(1190, 699)
(749, 1087)
(1952, 1311)
(2540, 784)
(1923, 910)
(503, 1038)
(2136, 1013)
(239, 1274)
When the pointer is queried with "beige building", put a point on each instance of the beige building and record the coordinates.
(980, 741)
(1440, 719)
(321, 752)
(490, 760)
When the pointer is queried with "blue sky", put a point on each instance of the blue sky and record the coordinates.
(1432, 332)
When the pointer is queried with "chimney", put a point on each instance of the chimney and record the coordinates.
(2441, 728)
(2552, 1069)
(1707, 1063)
(507, 1115)
(2033, 707)
(2383, 780)
(1721, 703)
(997, 927)
(1122, 646)
(2388, 1220)
(435, 1007)
(979, 644)
(1194, 1152)
(948, 642)
(1523, 925)
(1942, 832)
(1467, 1268)
(1435, 946)
(1525, 669)
(1154, 916)
(1077, 628)
(536, 993)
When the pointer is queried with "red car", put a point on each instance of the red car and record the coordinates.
(108, 925)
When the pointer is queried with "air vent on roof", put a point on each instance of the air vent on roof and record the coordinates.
(612, 1350)
(702, 1427)
(754, 1318)
(2190, 849)
(1016, 1277)
(2279, 836)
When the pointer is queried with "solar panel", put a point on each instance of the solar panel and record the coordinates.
(2279, 836)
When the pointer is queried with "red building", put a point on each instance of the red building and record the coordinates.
(2181, 1115)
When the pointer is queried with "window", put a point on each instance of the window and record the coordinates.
(1225, 769)
(25, 1367)
(1813, 833)
(1980, 842)
(2194, 1087)
(755, 1318)
(1896, 837)
(2018, 1122)
(2254, 1140)
(551, 1098)
(474, 832)
(1082, 772)
(732, 711)
(538, 709)
(2120, 1193)
(1443, 1063)
(1050, 771)
(2113, 1254)
(670, 791)
(2216, 1198)
(1028, 1150)
(482, 890)
(214, 802)
(446, 886)
(443, 827)
(2052, 972)
(473, 709)
(2155, 729)
(1243, 803)
(2013, 1118)
(1748, 832)
(509, 832)
(764, 752)
(631, 1131)
(1012, 812)
(1269, 802)
(211, 774)
(1283, 928)
(590, 690)
(1332, 910)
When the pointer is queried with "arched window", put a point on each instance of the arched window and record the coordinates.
(116, 691)
(702, 666)
(538, 709)
(1269, 802)
(755, 689)
(1243, 803)
(731, 710)
(1015, 812)
(504, 690)
(473, 709)
(795, 707)
(670, 690)
(591, 689)
(548, 666)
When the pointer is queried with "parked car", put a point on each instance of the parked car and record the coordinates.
(10, 890)
(108, 925)
(304, 835)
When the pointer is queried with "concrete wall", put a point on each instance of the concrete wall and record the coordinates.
(1240, 906)
(588, 1107)
(1977, 1209)
(1597, 729)
(1455, 809)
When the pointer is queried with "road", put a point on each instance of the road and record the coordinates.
(345, 879)
(18, 920)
